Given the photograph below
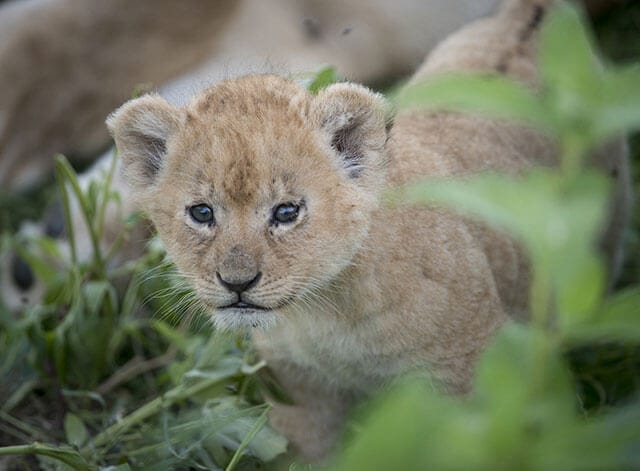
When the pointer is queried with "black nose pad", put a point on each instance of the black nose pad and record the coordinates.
(239, 286)
(22, 273)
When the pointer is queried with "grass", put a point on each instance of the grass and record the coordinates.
(118, 365)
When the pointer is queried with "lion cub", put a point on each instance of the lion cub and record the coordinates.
(268, 200)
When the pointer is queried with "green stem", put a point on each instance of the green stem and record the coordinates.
(19, 394)
(106, 193)
(66, 172)
(540, 295)
(22, 426)
(262, 420)
(67, 456)
(64, 193)
(574, 149)
(18, 449)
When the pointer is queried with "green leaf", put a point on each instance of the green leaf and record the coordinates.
(65, 174)
(97, 294)
(75, 430)
(581, 284)
(413, 427)
(525, 391)
(521, 379)
(496, 199)
(63, 454)
(175, 336)
(325, 77)
(567, 60)
(619, 319)
(398, 427)
(620, 109)
(120, 467)
(609, 441)
(92, 194)
(493, 95)
(254, 437)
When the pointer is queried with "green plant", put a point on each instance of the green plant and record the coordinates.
(523, 413)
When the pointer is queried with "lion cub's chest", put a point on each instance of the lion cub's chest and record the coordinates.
(334, 353)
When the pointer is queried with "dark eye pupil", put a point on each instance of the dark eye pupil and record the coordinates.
(286, 213)
(201, 213)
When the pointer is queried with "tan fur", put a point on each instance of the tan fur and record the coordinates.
(65, 64)
(356, 292)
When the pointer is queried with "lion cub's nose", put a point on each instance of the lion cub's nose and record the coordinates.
(239, 286)
(238, 271)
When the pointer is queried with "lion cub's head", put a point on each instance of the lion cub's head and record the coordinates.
(261, 192)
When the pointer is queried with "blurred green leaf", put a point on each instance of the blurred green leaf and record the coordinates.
(395, 434)
(608, 441)
(325, 77)
(580, 286)
(526, 390)
(619, 319)
(620, 108)
(75, 430)
(494, 95)
(568, 64)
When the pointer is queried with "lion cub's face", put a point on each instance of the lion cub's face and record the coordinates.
(261, 192)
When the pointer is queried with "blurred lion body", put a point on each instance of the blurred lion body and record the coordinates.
(65, 64)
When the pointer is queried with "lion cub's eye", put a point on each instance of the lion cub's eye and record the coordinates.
(286, 213)
(202, 214)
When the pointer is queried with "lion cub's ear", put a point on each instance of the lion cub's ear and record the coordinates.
(141, 128)
(355, 122)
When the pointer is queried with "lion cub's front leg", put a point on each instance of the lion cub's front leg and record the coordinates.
(314, 421)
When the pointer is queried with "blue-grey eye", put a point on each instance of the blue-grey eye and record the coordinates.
(286, 213)
(202, 214)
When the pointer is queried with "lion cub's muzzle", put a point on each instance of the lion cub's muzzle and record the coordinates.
(238, 273)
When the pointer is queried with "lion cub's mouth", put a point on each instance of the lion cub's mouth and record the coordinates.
(245, 306)
(242, 315)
